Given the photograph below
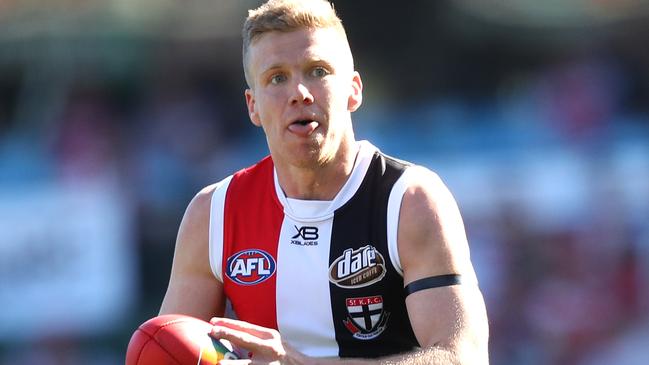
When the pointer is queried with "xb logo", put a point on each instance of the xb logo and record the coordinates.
(306, 236)
(307, 233)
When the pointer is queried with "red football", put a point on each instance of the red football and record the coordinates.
(176, 340)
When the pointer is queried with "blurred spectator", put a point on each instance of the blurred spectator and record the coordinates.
(542, 133)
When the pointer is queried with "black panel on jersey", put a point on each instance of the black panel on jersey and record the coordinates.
(380, 320)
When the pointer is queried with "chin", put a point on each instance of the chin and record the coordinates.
(309, 153)
(310, 158)
(309, 161)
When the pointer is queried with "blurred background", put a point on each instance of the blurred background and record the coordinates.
(114, 113)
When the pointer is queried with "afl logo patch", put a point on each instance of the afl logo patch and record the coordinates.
(250, 267)
(357, 268)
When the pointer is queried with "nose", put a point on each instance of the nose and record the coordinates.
(301, 95)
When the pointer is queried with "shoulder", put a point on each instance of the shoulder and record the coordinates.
(199, 208)
(200, 205)
(431, 237)
(194, 228)
(427, 205)
(425, 190)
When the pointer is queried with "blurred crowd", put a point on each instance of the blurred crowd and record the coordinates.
(544, 144)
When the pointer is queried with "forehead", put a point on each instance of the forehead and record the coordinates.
(287, 48)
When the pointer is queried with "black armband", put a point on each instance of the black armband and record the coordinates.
(433, 282)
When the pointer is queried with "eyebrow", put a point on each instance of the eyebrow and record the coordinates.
(272, 68)
(314, 61)
(321, 61)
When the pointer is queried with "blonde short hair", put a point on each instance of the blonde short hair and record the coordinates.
(286, 16)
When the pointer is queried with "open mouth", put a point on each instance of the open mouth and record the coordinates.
(303, 127)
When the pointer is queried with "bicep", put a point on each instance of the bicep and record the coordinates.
(432, 242)
(450, 317)
(193, 289)
(194, 295)
(431, 236)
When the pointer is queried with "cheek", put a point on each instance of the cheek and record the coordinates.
(340, 94)
(327, 94)
(266, 107)
(275, 99)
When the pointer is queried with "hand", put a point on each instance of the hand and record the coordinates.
(264, 344)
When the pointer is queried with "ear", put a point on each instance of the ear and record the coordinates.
(356, 97)
(252, 111)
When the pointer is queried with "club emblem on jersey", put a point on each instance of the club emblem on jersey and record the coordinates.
(366, 319)
(357, 268)
(250, 267)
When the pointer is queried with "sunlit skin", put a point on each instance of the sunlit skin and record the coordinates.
(303, 91)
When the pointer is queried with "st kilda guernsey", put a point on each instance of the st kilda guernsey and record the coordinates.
(326, 274)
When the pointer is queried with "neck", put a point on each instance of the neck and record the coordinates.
(318, 183)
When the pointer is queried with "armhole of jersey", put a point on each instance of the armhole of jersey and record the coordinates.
(394, 208)
(216, 227)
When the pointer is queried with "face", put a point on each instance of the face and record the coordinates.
(303, 91)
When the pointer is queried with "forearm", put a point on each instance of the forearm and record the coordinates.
(430, 356)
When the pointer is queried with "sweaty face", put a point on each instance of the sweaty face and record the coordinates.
(303, 91)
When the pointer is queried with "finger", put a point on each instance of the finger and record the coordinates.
(238, 337)
(237, 324)
(266, 348)
(258, 331)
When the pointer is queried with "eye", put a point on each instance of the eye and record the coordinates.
(319, 72)
(277, 79)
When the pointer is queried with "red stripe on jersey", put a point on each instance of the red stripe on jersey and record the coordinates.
(252, 221)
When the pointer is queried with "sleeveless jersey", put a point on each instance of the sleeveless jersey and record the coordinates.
(326, 274)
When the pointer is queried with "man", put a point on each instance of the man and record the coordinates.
(329, 251)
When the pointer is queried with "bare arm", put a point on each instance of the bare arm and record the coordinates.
(193, 289)
(449, 322)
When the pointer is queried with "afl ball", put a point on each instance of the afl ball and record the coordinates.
(176, 340)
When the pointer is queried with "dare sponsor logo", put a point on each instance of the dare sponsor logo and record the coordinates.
(357, 268)
(250, 267)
